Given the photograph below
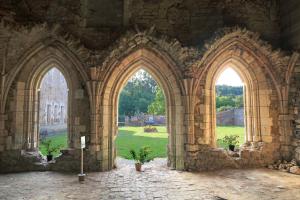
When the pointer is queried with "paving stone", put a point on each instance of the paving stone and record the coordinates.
(157, 182)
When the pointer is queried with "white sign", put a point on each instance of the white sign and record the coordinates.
(82, 142)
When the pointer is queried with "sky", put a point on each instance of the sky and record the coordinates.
(229, 77)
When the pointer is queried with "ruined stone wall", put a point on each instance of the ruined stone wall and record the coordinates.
(97, 60)
(294, 111)
(53, 99)
(290, 24)
(192, 22)
(100, 22)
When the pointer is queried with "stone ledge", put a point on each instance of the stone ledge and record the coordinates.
(20, 161)
(249, 156)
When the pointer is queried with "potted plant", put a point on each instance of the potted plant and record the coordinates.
(50, 148)
(231, 141)
(141, 158)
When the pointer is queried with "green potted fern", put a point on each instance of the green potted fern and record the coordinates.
(231, 141)
(141, 157)
(50, 148)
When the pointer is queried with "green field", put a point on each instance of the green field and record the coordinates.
(230, 130)
(59, 139)
(135, 138)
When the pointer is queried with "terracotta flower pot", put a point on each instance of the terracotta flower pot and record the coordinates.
(231, 147)
(49, 158)
(138, 167)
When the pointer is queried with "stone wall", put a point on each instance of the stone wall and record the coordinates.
(192, 22)
(142, 120)
(290, 24)
(234, 117)
(53, 99)
(216, 159)
(184, 52)
(294, 111)
(100, 22)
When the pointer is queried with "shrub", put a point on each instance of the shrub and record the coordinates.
(230, 140)
(50, 147)
(150, 129)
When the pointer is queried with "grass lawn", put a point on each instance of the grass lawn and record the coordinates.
(58, 139)
(230, 130)
(135, 138)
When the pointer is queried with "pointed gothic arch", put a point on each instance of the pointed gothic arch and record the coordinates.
(163, 73)
(260, 92)
(26, 82)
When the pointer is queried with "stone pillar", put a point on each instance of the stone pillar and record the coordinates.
(96, 148)
(285, 132)
(189, 118)
(3, 132)
(284, 124)
(19, 139)
(189, 110)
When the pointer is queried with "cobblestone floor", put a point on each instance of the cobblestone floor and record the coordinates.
(155, 182)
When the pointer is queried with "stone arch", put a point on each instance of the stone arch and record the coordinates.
(252, 116)
(58, 49)
(32, 86)
(262, 90)
(167, 77)
(246, 45)
(25, 81)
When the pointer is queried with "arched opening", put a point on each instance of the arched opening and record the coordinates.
(167, 78)
(230, 121)
(36, 120)
(251, 102)
(141, 117)
(53, 112)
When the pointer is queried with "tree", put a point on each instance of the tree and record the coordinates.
(229, 97)
(157, 107)
(227, 90)
(137, 95)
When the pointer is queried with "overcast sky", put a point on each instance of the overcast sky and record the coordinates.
(229, 77)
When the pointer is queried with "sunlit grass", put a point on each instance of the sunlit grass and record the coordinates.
(230, 130)
(58, 139)
(134, 138)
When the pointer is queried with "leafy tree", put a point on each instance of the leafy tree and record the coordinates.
(157, 107)
(229, 97)
(239, 101)
(227, 90)
(137, 94)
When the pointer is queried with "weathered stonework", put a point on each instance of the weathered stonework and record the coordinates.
(187, 74)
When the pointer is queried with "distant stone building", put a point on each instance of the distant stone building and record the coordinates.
(53, 101)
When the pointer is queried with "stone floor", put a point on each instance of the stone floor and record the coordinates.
(155, 182)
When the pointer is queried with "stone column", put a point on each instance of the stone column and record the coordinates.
(19, 138)
(96, 127)
(189, 98)
(284, 123)
(3, 132)
(189, 114)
